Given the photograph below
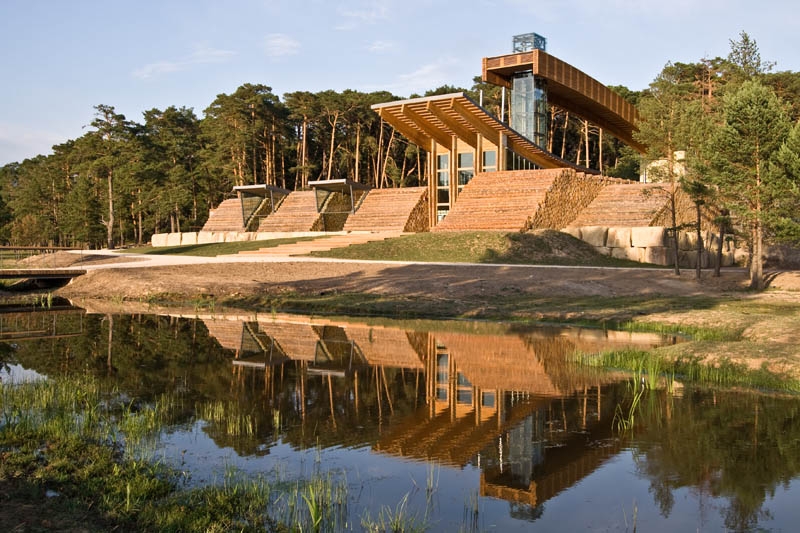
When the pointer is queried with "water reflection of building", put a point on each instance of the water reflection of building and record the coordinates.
(515, 404)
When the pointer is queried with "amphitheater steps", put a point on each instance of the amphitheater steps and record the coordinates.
(499, 200)
(625, 205)
(323, 244)
(297, 212)
(226, 217)
(385, 210)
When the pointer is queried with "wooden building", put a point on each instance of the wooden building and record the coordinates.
(463, 139)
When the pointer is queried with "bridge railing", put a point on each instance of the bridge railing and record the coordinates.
(15, 257)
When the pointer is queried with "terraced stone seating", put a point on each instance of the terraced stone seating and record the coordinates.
(226, 217)
(499, 200)
(625, 205)
(390, 210)
(297, 212)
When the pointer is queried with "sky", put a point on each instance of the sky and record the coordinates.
(60, 58)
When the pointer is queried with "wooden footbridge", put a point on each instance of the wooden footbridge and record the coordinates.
(41, 273)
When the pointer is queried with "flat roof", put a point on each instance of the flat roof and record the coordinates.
(261, 189)
(339, 185)
(439, 118)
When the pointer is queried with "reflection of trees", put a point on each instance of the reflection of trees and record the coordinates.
(729, 445)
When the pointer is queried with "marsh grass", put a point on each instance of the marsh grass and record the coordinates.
(95, 450)
(228, 416)
(657, 370)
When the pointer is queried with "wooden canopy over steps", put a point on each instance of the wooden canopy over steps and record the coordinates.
(226, 217)
(440, 118)
(297, 212)
(397, 210)
(626, 205)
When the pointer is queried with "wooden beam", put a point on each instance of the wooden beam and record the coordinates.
(428, 128)
(484, 129)
(397, 122)
(461, 132)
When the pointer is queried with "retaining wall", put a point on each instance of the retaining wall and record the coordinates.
(650, 244)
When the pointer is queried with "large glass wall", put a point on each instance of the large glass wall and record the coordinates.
(529, 107)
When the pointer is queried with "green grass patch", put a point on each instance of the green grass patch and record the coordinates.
(697, 333)
(215, 249)
(72, 459)
(544, 247)
(652, 368)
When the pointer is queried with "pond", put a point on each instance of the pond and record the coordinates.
(479, 426)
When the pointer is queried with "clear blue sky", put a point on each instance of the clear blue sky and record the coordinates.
(62, 57)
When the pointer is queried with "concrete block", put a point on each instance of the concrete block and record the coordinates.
(574, 231)
(728, 259)
(159, 240)
(657, 255)
(647, 236)
(594, 235)
(190, 237)
(619, 238)
(740, 256)
(689, 259)
(207, 237)
(602, 250)
(173, 239)
(631, 254)
(687, 240)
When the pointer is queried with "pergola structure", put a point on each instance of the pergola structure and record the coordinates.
(450, 120)
(259, 200)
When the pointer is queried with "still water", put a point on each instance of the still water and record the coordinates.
(504, 422)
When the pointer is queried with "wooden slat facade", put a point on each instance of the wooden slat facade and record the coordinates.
(570, 89)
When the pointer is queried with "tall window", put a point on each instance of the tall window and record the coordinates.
(489, 161)
(442, 185)
(466, 168)
(529, 107)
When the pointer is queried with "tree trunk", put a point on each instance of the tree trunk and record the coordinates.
(699, 244)
(586, 138)
(723, 223)
(333, 145)
(358, 152)
(564, 136)
(110, 221)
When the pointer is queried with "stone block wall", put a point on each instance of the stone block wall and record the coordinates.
(651, 244)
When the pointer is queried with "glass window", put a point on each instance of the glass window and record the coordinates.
(466, 168)
(464, 397)
(442, 196)
(488, 399)
(443, 162)
(489, 160)
(443, 178)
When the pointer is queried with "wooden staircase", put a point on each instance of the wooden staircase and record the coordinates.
(323, 243)
(297, 212)
(389, 210)
(226, 217)
(502, 201)
(625, 205)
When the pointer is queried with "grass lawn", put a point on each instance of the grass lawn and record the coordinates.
(544, 247)
(215, 249)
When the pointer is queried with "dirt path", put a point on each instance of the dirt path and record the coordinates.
(427, 280)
